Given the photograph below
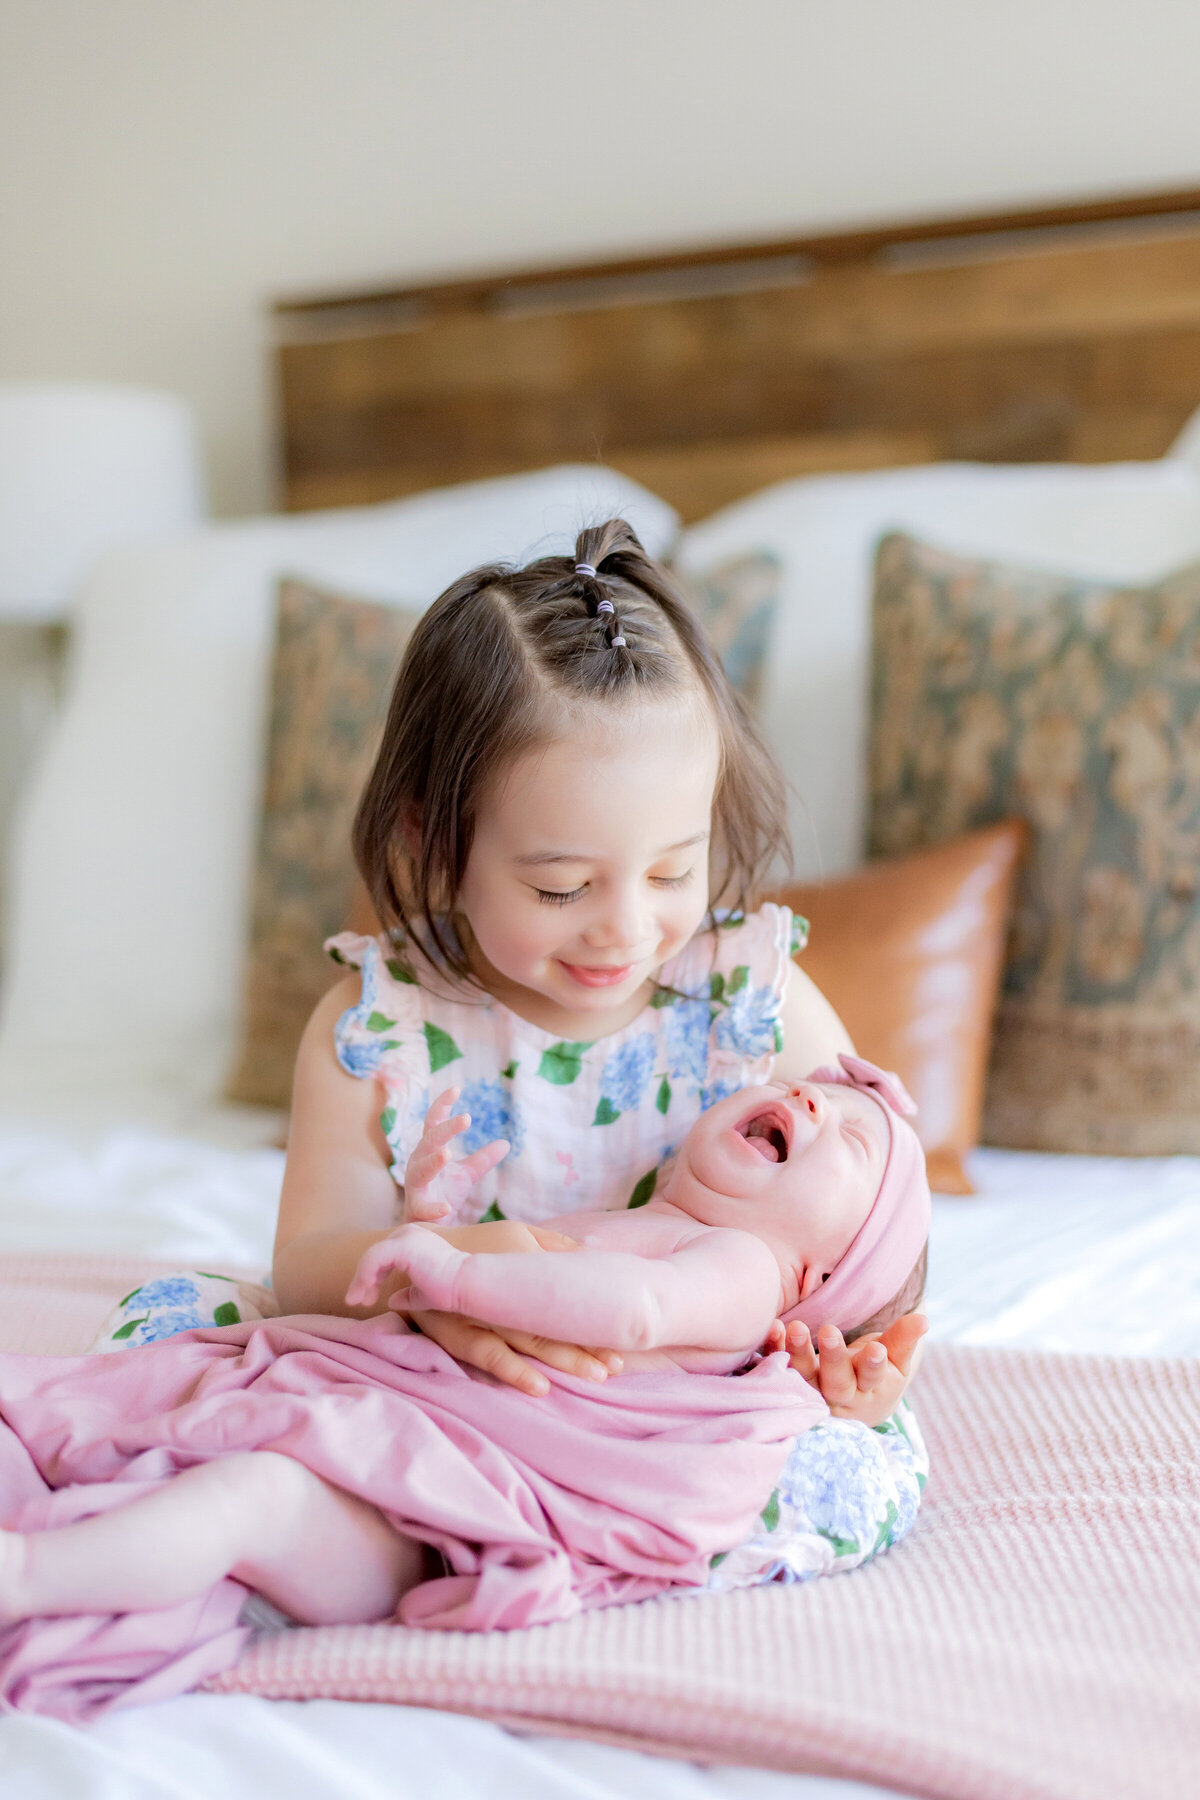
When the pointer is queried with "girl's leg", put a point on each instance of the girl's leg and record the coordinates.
(312, 1550)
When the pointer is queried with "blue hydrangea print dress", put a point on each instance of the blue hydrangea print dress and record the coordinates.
(590, 1124)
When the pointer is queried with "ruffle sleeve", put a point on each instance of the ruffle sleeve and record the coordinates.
(725, 995)
(385, 1035)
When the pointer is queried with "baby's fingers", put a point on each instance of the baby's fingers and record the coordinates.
(433, 1150)
(374, 1266)
(439, 1112)
(435, 1135)
(480, 1161)
(421, 1209)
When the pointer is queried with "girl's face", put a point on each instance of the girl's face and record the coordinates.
(799, 1164)
(589, 867)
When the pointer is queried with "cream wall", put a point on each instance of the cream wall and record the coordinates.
(166, 166)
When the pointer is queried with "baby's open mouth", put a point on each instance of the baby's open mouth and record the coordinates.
(768, 1132)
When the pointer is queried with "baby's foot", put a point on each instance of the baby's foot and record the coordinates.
(13, 1560)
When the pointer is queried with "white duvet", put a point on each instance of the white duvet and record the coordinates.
(1067, 1253)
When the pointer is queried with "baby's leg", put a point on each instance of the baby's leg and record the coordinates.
(312, 1550)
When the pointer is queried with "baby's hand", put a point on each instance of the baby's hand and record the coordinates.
(434, 1185)
(864, 1380)
(417, 1251)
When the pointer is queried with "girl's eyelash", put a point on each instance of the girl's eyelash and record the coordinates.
(553, 898)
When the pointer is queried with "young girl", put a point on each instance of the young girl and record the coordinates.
(562, 835)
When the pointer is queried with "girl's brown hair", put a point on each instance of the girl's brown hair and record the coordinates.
(495, 667)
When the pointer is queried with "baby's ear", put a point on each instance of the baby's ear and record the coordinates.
(811, 1280)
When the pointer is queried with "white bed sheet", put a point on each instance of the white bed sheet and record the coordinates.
(1068, 1253)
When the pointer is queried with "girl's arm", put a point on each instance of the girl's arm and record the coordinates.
(718, 1292)
(812, 1032)
(338, 1195)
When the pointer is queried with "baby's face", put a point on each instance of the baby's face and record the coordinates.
(799, 1165)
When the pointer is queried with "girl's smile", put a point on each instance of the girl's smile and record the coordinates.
(598, 976)
(589, 865)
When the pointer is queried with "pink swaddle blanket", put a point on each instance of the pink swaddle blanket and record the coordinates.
(540, 1507)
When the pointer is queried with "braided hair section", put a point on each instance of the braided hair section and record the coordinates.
(600, 604)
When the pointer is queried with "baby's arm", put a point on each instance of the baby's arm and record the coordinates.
(716, 1292)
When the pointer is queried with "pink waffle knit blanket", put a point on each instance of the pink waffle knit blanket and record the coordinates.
(593, 1494)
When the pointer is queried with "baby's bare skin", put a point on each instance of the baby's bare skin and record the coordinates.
(768, 1192)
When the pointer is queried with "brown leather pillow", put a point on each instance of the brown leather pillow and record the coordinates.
(910, 952)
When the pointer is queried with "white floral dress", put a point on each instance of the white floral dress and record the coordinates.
(590, 1124)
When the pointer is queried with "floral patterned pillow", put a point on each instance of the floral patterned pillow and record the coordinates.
(1001, 692)
(736, 602)
(334, 662)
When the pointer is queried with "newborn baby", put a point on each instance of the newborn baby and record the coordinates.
(807, 1201)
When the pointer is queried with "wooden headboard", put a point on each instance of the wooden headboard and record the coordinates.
(1067, 333)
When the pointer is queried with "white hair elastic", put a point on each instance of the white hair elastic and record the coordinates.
(604, 606)
(617, 643)
(585, 569)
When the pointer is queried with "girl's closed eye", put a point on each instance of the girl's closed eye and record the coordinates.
(553, 897)
(673, 881)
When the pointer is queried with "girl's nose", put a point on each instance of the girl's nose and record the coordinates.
(619, 924)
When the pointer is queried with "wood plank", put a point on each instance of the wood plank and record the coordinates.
(1015, 403)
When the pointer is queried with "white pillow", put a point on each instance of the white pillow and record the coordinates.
(1120, 521)
(133, 858)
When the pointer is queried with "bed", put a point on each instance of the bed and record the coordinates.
(113, 1140)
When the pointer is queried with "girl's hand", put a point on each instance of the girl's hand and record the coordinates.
(434, 1185)
(864, 1380)
(501, 1352)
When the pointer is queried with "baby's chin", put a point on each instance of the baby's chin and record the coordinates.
(703, 1201)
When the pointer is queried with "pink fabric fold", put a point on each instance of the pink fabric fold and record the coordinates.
(540, 1508)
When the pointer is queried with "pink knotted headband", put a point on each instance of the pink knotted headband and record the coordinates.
(892, 1235)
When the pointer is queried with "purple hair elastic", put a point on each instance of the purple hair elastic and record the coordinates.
(585, 569)
(604, 606)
